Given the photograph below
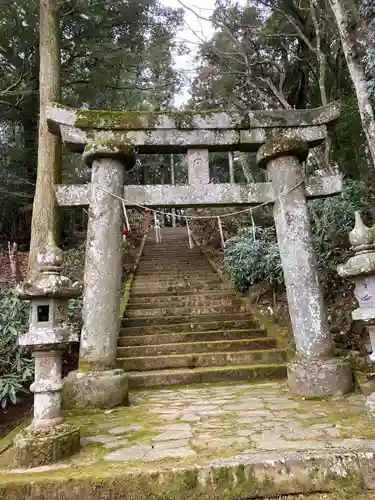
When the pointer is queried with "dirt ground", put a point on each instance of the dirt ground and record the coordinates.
(12, 415)
(5, 273)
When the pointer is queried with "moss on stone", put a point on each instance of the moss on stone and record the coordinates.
(36, 447)
(87, 118)
(280, 146)
(86, 367)
(136, 119)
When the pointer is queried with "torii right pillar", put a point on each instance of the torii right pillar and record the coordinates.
(314, 372)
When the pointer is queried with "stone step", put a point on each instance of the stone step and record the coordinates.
(197, 347)
(181, 301)
(154, 301)
(172, 248)
(173, 268)
(198, 280)
(183, 311)
(163, 378)
(168, 320)
(269, 356)
(175, 293)
(183, 337)
(162, 259)
(203, 326)
(161, 269)
(178, 255)
(206, 271)
(180, 290)
(174, 261)
(177, 276)
(179, 286)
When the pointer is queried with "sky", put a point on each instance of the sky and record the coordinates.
(193, 32)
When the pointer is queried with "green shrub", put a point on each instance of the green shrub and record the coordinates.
(249, 261)
(16, 368)
(74, 263)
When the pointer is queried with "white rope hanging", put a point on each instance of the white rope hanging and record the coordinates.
(191, 245)
(192, 217)
(253, 225)
(197, 217)
(157, 229)
(221, 233)
(127, 225)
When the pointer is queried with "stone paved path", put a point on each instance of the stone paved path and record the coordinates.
(198, 424)
(193, 424)
(246, 439)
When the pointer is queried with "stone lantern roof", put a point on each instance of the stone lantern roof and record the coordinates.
(50, 283)
(363, 262)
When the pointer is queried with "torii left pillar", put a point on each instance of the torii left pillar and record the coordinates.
(97, 383)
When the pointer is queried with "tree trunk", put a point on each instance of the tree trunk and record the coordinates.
(351, 49)
(45, 210)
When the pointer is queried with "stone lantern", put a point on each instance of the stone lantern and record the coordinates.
(47, 439)
(361, 268)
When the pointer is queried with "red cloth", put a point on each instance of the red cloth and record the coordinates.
(125, 232)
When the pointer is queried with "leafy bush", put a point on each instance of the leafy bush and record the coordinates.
(332, 219)
(16, 369)
(74, 263)
(249, 261)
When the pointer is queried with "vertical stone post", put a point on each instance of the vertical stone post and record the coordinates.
(47, 388)
(314, 372)
(98, 384)
(231, 167)
(48, 439)
(198, 166)
(173, 182)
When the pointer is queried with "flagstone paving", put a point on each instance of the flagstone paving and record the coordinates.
(197, 424)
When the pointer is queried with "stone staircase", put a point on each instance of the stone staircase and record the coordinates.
(183, 326)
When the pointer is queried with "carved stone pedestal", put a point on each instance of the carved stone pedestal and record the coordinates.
(36, 447)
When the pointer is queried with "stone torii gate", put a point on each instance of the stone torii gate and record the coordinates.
(282, 139)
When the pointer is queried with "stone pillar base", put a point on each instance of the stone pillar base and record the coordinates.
(370, 406)
(311, 378)
(34, 447)
(95, 390)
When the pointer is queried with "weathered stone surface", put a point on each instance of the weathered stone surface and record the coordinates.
(103, 267)
(96, 439)
(282, 146)
(97, 150)
(136, 452)
(172, 435)
(305, 301)
(135, 120)
(47, 439)
(247, 476)
(138, 120)
(198, 166)
(103, 389)
(36, 447)
(176, 132)
(253, 139)
(295, 117)
(199, 195)
(320, 377)
(370, 406)
(246, 459)
(125, 430)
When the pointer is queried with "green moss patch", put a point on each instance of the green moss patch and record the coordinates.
(88, 118)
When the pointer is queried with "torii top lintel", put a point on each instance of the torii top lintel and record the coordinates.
(178, 131)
